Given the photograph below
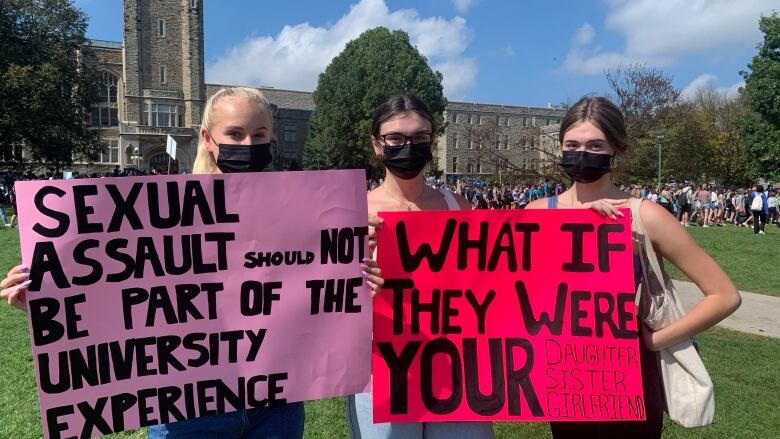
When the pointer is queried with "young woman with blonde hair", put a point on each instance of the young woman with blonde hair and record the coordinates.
(235, 136)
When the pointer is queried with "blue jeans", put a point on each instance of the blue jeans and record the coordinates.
(361, 425)
(276, 422)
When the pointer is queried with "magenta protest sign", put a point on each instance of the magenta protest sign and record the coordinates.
(159, 299)
(495, 315)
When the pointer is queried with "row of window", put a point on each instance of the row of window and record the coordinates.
(156, 115)
(475, 119)
(162, 115)
(501, 142)
(525, 164)
(104, 117)
(165, 115)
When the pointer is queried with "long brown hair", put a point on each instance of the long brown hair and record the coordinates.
(602, 113)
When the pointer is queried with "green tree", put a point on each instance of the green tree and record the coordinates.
(687, 151)
(762, 88)
(371, 68)
(642, 94)
(48, 81)
(705, 129)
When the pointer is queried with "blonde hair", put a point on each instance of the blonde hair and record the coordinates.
(204, 160)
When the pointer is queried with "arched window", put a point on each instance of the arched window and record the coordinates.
(106, 112)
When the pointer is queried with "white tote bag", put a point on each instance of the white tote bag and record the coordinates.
(688, 389)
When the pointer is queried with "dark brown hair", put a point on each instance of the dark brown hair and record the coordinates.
(602, 113)
(397, 105)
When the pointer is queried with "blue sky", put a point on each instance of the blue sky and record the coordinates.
(490, 51)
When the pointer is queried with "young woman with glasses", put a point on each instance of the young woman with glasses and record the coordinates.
(403, 133)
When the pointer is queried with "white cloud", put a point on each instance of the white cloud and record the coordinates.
(592, 62)
(701, 81)
(459, 75)
(658, 33)
(298, 54)
(734, 89)
(462, 6)
(705, 81)
(584, 35)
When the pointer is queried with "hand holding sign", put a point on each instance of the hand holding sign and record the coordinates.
(14, 287)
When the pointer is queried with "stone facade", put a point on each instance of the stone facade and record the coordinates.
(164, 82)
(484, 139)
(549, 141)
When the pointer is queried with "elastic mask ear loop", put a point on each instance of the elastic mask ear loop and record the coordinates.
(213, 142)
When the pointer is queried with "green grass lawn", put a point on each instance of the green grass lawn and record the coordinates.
(744, 367)
(747, 385)
(752, 261)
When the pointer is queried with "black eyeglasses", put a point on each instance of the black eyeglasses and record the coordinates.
(397, 140)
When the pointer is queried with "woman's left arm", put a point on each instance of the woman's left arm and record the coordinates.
(721, 297)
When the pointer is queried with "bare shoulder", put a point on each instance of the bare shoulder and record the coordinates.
(537, 204)
(658, 221)
(462, 201)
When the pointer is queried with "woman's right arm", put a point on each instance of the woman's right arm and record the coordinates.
(14, 287)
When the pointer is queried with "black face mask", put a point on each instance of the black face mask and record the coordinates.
(406, 162)
(243, 158)
(585, 167)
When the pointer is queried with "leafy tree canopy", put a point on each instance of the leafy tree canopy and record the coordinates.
(48, 81)
(762, 88)
(371, 68)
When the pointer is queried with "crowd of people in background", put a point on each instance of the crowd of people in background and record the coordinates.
(713, 206)
(484, 195)
(693, 205)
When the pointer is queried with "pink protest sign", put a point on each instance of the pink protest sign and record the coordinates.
(158, 299)
(506, 315)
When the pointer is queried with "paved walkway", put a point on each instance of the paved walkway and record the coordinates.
(759, 313)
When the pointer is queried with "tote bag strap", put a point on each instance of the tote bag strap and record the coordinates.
(645, 244)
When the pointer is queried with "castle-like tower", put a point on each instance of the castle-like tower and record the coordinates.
(164, 89)
(152, 86)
